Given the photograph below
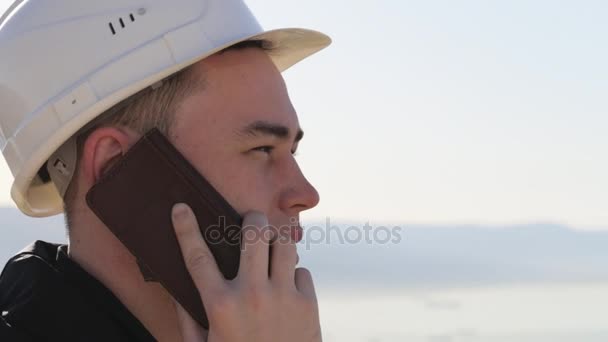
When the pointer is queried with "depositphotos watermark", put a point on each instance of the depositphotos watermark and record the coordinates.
(352, 234)
(223, 233)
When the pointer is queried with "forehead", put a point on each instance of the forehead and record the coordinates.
(239, 87)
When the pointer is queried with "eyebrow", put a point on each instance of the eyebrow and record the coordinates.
(268, 128)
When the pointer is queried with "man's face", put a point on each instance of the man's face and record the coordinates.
(240, 131)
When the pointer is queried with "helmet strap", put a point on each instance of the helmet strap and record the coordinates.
(62, 164)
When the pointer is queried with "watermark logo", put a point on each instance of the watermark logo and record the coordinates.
(327, 233)
(352, 234)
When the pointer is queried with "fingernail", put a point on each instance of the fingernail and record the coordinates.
(180, 211)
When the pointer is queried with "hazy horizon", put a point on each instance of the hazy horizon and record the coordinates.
(426, 255)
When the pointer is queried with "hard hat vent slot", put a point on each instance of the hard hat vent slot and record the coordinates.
(122, 23)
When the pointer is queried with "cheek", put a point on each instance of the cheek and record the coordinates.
(243, 182)
(246, 182)
(247, 186)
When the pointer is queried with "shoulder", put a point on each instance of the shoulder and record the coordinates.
(31, 265)
(19, 279)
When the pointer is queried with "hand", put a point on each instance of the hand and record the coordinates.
(254, 306)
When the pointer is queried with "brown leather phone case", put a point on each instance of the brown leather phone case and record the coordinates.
(134, 200)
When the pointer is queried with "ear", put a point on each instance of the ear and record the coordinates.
(102, 148)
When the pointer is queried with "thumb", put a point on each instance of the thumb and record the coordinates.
(191, 330)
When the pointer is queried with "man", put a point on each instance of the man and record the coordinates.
(80, 83)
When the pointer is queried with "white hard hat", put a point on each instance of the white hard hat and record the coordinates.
(64, 62)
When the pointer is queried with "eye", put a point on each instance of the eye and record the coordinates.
(265, 149)
(268, 150)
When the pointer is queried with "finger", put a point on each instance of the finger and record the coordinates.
(254, 247)
(198, 258)
(283, 261)
(190, 329)
(304, 282)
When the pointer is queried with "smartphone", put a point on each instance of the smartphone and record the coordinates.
(134, 200)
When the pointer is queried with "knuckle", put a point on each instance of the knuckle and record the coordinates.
(222, 306)
(288, 253)
(283, 268)
(285, 293)
(199, 259)
(257, 298)
(250, 257)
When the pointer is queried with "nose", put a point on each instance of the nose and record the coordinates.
(299, 195)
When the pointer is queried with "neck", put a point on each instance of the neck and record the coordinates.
(103, 256)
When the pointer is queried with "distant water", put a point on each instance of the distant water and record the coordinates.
(525, 313)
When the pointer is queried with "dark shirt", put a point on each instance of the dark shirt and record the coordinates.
(45, 296)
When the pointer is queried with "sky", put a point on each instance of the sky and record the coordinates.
(450, 112)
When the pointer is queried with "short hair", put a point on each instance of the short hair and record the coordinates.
(152, 107)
